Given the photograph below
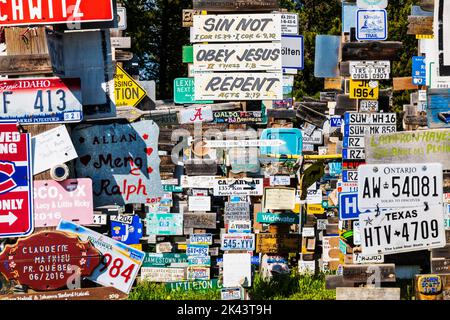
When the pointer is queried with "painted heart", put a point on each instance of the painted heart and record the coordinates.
(145, 136)
(149, 169)
(149, 151)
(85, 159)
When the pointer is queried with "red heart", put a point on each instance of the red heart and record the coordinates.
(145, 136)
(149, 151)
(149, 170)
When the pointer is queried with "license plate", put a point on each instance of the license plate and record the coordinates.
(370, 118)
(353, 142)
(231, 294)
(120, 264)
(353, 154)
(126, 219)
(358, 130)
(368, 105)
(370, 70)
(238, 242)
(367, 258)
(364, 89)
(402, 230)
(41, 100)
(398, 185)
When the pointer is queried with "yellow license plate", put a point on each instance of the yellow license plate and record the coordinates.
(364, 89)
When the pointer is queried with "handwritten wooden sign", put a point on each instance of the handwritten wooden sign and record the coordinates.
(205, 220)
(238, 86)
(99, 293)
(236, 28)
(123, 159)
(279, 198)
(277, 243)
(409, 147)
(241, 5)
(45, 261)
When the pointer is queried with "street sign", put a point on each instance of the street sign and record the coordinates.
(236, 28)
(285, 218)
(46, 261)
(237, 57)
(16, 193)
(370, 118)
(419, 72)
(121, 42)
(41, 100)
(17, 13)
(370, 70)
(336, 122)
(120, 264)
(292, 51)
(366, 4)
(183, 91)
(128, 92)
(399, 185)
(371, 25)
(348, 206)
(237, 241)
(363, 89)
(402, 230)
(163, 259)
(238, 187)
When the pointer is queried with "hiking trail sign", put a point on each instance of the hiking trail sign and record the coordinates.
(16, 193)
(128, 92)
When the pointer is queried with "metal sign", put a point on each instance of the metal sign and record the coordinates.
(402, 230)
(237, 241)
(198, 273)
(336, 122)
(122, 18)
(237, 57)
(124, 160)
(129, 232)
(121, 262)
(366, 4)
(349, 175)
(164, 223)
(55, 12)
(363, 89)
(355, 130)
(183, 91)
(230, 294)
(201, 238)
(360, 258)
(205, 220)
(419, 146)
(195, 115)
(353, 154)
(235, 117)
(46, 261)
(399, 185)
(371, 25)
(128, 92)
(353, 142)
(16, 193)
(238, 187)
(239, 226)
(70, 200)
(194, 285)
(438, 114)
(236, 28)
(419, 72)
(41, 100)
(370, 70)
(348, 206)
(293, 52)
(289, 23)
(238, 86)
(121, 43)
(197, 250)
(163, 259)
(370, 118)
(368, 105)
(236, 211)
(155, 274)
(285, 218)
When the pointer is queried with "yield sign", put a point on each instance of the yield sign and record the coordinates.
(127, 91)
(16, 189)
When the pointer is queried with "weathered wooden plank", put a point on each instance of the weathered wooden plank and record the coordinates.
(22, 41)
(281, 113)
(427, 5)
(28, 64)
(100, 293)
(311, 116)
(404, 83)
(387, 50)
(361, 273)
(440, 266)
(244, 5)
(420, 25)
(367, 293)
(420, 120)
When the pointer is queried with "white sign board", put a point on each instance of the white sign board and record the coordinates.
(237, 57)
(292, 50)
(371, 25)
(236, 28)
(237, 270)
(370, 70)
(399, 185)
(237, 241)
(122, 18)
(238, 187)
(206, 182)
(360, 258)
(199, 203)
(402, 230)
(155, 274)
(238, 86)
(51, 148)
(315, 138)
(289, 23)
(195, 115)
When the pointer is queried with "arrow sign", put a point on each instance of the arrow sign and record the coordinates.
(10, 218)
(243, 143)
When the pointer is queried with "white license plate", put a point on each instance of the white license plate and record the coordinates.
(238, 242)
(399, 185)
(368, 105)
(370, 70)
(402, 230)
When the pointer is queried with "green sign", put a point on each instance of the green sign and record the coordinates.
(194, 285)
(165, 224)
(287, 218)
(163, 259)
(183, 91)
(188, 54)
(172, 188)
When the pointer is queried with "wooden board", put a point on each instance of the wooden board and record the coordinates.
(27, 64)
(21, 41)
(404, 83)
(360, 273)
(242, 5)
(367, 293)
(427, 5)
(420, 25)
(100, 293)
(374, 50)
(440, 266)
(277, 243)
